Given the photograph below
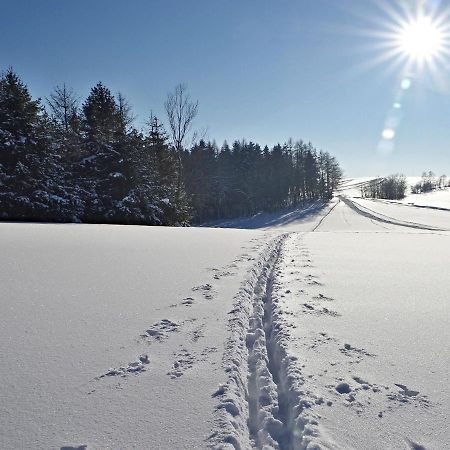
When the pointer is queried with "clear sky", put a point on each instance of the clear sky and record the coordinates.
(261, 70)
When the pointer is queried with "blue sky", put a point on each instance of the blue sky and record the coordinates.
(261, 70)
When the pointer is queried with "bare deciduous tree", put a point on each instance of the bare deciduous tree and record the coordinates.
(199, 135)
(63, 105)
(181, 112)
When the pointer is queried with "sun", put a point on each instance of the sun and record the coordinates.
(408, 36)
(421, 39)
(410, 39)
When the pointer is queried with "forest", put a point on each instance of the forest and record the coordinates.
(66, 161)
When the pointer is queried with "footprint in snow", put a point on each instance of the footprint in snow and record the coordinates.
(135, 367)
(310, 309)
(349, 350)
(207, 351)
(406, 396)
(206, 289)
(329, 312)
(322, 339)
(202, 287)
(198, 333)
(159, 331)
(184, 361)
(323, 297)
(406, 391)
(222, 273)
(188, 301)
(343, 388)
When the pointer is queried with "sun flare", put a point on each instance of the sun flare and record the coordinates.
(421, 39)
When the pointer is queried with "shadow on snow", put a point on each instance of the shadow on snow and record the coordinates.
(275, 219)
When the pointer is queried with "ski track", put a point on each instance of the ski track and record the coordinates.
(316, 227)
(262, 404)
(366, 212)
(267, 401)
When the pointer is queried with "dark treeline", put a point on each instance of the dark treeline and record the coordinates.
(393, 187)
(67, 162)
(244, 179)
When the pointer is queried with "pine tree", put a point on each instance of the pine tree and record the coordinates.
(106, 163)
(26, 157)
(67, 141)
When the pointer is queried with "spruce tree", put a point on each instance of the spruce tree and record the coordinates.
(26, 157)
(105, 164)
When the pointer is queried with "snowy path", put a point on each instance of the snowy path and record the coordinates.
(329, 330)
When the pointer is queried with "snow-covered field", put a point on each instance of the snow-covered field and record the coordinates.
(435, 199)
(438, 199)
(326, 329)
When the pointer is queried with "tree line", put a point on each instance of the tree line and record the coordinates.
(64, 161)
(243, 178)
(430, 182)
(393, 187)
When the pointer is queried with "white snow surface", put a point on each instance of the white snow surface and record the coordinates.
(76, 302)
(320, 329)
(440, 198)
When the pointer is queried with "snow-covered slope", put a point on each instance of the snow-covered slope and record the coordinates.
(326, 329)
(435, 199)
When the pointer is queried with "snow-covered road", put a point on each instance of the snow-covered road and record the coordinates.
(324, 330)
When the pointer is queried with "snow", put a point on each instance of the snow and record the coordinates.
(326, 327)
(79, 302)
(423, 217)
(300, 218)
(439, 198)
(373, 333)
(117, 175)
(351, 187)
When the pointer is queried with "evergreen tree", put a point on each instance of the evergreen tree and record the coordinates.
(27, 160)
(106, 161)
(200, 179)
(169, 195)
